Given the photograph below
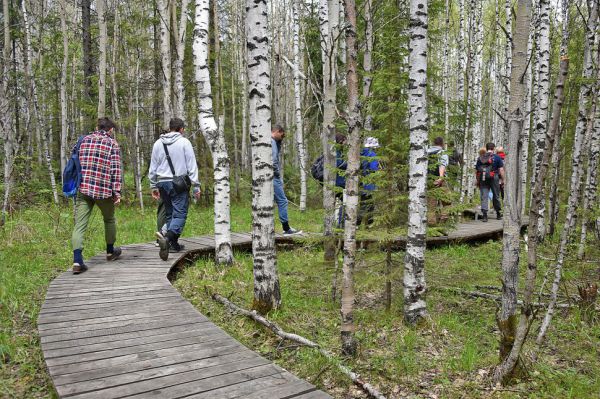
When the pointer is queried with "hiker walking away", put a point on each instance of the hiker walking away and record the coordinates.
(438, 161)
(369, 164)
(173, 171)
(100, 185)
(501, 154)
(489, 171)
(437, 169)
(277, 135)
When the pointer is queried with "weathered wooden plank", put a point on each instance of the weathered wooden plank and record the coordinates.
(313, 395)
(108, 286)
(189, 389)
(287, 390)
(176, 376)
(54, 302)
(208, 337)
(131, 382)
(128, 301)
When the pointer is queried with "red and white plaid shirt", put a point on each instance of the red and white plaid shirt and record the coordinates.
(100, 160)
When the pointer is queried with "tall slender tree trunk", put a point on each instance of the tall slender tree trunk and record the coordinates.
(368, 62)
(298, 106)
(180, 32)
(509, 366)
(543, 95)
(585, 123)
(63, 86)
(267, 294)
(524, 161)
(40, 125)
(507, 318)
(165, 60)
(351, 207)
(508, 54)
(328, 16)
(113, 68)
(214, 137)
(102, 39)
(137, 149)
(7, 132)
(446, 68)
(414, 283)
(88, 61)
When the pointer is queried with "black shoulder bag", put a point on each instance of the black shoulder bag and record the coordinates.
(181, 184)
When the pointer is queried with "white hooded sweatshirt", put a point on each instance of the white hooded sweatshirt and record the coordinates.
(182, 156)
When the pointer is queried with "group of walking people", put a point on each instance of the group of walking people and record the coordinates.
(173, 172)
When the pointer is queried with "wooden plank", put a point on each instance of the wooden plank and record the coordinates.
(207, 337)
(147, 367)
(109, 286)
(176, 375)
(130, 383)
(57, 302)
(127, 301)
(313, 395)
(288, 390)
(211, 384)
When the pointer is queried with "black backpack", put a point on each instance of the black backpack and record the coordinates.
(433, 168)
(316, 170)
(485, 171)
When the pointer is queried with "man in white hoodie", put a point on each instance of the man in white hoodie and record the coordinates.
(173, 159)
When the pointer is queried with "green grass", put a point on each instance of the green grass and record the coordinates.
(451, 356)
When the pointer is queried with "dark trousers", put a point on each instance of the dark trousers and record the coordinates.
(176, 206)
(494, 187)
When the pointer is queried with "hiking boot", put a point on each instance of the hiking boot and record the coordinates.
(115, 254)
(291, 231)
(157, 244)
(499, 215)
(79, 268)
(176, 247)
(484, 218)
(163, 244)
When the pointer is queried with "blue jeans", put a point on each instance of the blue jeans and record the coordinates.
(280, 199)
(176, 206)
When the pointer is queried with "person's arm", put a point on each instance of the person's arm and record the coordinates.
(192, 167)
(275, 156)
(116, 172)
(152, 178)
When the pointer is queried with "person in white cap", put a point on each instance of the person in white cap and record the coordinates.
(368, 165)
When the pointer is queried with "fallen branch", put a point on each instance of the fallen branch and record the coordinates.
(498, 298)
(297, 338)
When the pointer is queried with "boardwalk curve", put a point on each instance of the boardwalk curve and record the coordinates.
(122, 330)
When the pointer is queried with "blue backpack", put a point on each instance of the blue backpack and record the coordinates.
(72, 172)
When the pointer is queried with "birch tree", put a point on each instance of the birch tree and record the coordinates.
(88, 63)
(6, 125)
(414, 284)
(267, 295)
(102, 39)
(352, 190)
(328, 25)
(63, 85)
(298, 105)
(213, 136)
(40, 123)
(585, 122)
(543, 95)
(512, 217)
(180, 31)
(165, 60)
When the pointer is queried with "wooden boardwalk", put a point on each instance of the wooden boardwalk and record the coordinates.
(121, 330)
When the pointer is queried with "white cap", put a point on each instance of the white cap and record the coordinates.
(371, 142)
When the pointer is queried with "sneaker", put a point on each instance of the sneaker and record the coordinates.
(115, 254)
(499, 216)
(157, 244)
(163, 244)
(176, 247)
(484, 217)
(79, 268)
(291, 231)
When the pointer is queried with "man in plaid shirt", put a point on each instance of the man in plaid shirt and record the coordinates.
(101, 182)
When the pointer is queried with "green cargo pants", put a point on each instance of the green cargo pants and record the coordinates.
(83, 210)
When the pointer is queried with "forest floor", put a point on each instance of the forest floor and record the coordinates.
(449, 357)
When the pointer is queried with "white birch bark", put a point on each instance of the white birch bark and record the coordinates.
(368, 62)
(40, 125)
(524, 160)
(63, 86)
(328, 18)
(180, 30)
(508, 50)
(512, 216)
(6, 125)
(352, 189)
(165, 60)
(102, 39)
(113, 68)
(414, 284)
(445, 61)
(477, 61)
(585, 123)
(266, 282)
(214, 137)
(460, 83)
(137, 149)
(298, 106)
(543, 95)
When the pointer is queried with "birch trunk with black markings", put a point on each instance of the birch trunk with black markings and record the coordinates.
(165, 60)
(298, 105)
(102, 39)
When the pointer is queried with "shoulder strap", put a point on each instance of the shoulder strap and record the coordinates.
(169, 159)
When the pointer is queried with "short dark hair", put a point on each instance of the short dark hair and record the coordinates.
(176, 124)
(277, 128)
(340, 138)
(106, 124)
(439, 140)
(490, 146)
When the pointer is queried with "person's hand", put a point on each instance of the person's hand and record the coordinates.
(117, 200)
(155, 194)
(197, 194)
(438, 182)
